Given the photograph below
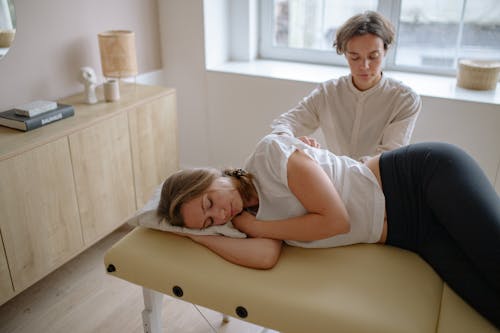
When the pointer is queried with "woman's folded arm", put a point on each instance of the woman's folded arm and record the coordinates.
(260, 253)
(326, 213)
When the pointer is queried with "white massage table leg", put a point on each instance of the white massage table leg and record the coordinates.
(151, 315)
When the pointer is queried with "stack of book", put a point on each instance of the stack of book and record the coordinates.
(35, 114)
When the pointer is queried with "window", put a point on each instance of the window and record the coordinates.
(431, 34)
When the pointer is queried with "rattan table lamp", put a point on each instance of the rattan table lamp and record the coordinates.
(118, 55)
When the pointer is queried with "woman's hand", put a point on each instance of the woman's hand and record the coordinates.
(246, 223)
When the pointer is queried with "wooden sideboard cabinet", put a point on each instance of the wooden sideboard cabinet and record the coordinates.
(6, 290)
(66, 185)
(38, 212)
(103, 176)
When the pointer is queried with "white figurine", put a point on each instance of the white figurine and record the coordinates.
(89, 79)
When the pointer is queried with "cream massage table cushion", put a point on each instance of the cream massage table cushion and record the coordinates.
(359, 288)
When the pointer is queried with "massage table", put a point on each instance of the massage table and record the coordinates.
(359, 288)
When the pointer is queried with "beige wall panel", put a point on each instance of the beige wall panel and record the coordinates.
(153, 135)
(103, 176)
(38, 212)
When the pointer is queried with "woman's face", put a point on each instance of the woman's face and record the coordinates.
(218, 205)
(365, 55)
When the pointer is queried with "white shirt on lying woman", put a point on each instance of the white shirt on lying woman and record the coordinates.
(355, 183)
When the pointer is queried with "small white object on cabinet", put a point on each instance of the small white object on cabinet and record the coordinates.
(89, 80)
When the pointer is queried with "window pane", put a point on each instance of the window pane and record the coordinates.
(434, 33)
(481, 31)
(311, 24)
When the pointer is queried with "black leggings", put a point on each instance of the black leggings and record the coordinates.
(441, 205)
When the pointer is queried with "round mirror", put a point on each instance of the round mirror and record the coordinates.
(7, 25)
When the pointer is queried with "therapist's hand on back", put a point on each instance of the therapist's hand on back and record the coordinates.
(310, 141)
(306, 139)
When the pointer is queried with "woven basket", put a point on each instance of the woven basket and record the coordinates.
(478, 74)
(6, 37)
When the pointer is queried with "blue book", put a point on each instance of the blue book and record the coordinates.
(10, 119)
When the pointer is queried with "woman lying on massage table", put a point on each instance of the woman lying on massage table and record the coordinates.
(429, 198)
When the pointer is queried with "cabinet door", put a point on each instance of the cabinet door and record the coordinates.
(103, 176)
(38, 212)
(153, 135)
(6, 289)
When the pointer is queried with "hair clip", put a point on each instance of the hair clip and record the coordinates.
(238, 173)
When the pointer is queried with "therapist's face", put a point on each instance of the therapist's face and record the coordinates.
(216, 206)
(365, 55)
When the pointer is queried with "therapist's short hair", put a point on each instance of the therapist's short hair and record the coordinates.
(369, 22)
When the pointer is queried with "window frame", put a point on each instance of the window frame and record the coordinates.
(388, 8)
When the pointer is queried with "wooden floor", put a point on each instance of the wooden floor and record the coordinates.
(80, 297)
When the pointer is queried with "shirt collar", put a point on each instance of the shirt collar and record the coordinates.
(370, 91)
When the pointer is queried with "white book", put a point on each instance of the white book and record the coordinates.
(35, 108)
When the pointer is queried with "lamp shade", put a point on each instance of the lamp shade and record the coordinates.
(118, 57)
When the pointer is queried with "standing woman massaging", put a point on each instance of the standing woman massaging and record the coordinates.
(364, 113)
(430, 198)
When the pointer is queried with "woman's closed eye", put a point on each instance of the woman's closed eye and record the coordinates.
(371, 56)
(208, 223)
(206, 206)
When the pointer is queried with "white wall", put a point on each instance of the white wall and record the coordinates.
(222, 116)
(241, 109)
(473, 126)
(183, 58)
(54, 38)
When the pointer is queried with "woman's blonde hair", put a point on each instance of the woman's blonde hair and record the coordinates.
(369, 22)
(186, 185)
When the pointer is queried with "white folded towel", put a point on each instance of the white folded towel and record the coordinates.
(147, 217)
